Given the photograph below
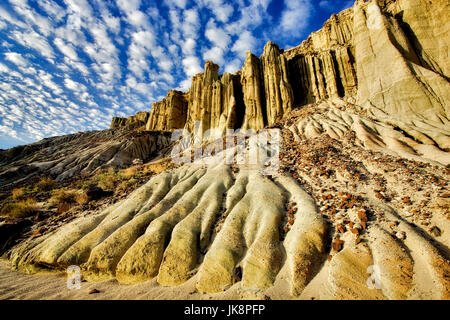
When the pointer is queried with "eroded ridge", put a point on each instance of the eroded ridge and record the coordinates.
(166, 229)
(222, 226)
(421, 141)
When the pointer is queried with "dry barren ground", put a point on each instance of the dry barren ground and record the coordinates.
(352, 196)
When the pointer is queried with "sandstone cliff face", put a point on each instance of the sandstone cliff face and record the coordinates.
(323, 66)
(389, 57)
(427, 26)
(268, 95)
(279, 95)
(117, 122)
(319, 76)
(131, 122)
(200, 98)
(254, 97)
(228, 104)
(215, 101)
(336, 32)
(391, 77)
(168, 114)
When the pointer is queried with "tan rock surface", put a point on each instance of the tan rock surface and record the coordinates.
(168, 114)
(402, 88)
(279, 95)
(254, 97)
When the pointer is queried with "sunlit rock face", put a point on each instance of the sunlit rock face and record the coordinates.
(389, 57)
(168, 114)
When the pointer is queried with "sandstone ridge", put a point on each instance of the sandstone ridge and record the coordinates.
(387, 57)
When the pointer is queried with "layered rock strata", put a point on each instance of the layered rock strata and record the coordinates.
(138, 120)
(168, 114)
(390, 57)
(72, 155)
(215, 101)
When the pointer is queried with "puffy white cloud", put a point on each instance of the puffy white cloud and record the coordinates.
(251, 16)
(80, 9)
(214, 54)
(74, 86)
(129, 5)
(112, 22)
(35, 41)
(222, 11)
(4, 68)
(46, 80)
(16, 58)
(191, 66)
(188, 47)
(216, 35)
(67, 49)
(53, 9)
(233, 66)
(185, 85)
(191, 23)
(295, 17)
(246, 41)
(165, 63)
(138, 52)
(6, 16)
(138, 19)
(31, 16)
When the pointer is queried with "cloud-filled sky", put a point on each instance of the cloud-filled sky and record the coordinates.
(71, 65)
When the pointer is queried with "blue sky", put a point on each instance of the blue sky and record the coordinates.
(71, 65)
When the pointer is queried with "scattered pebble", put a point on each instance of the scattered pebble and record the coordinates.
(337, 245)
(401, 235)
(435, 231)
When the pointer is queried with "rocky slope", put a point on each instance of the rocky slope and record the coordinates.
(313, 229)
(361, 193)
(71, 156)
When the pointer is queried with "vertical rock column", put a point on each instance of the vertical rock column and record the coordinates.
(253, 91)
(177, 105)
(346, 67)
(168, 114)
(279, 94)
(117, 122)
(138, 120)
(227, 102)
(200, 107)
(157, 114)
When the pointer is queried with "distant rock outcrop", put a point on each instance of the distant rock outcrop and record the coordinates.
(69, 156)
(168, 114)
(140, 119)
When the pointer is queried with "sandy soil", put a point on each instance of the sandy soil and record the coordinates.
(18, 286)
(51, 286)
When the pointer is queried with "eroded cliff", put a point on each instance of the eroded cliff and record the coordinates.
(388, 57)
